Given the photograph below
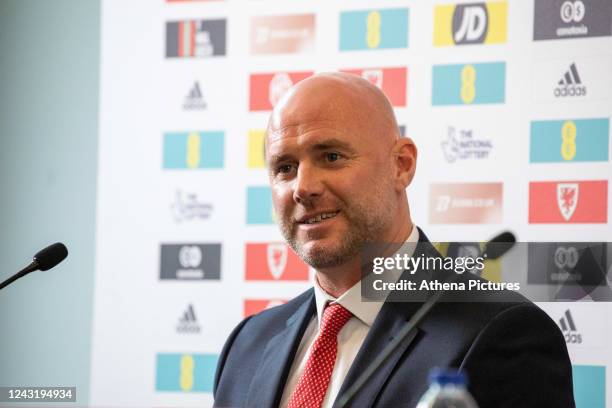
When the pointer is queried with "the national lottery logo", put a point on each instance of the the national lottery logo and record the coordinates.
(467, 84)
(274, 261)
(461, 144)
(265, 90)
(195, 39)
(560, 19)
(374, 29)
(571, 140)
(392, 81)
(187, 207)
(560, 202)
(473, 23)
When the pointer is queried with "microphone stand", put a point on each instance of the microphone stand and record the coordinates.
(30, 268)
(403, 334)
(410, 327)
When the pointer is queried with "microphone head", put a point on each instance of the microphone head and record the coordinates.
(505, 236)
(50, 256)
(499, 245)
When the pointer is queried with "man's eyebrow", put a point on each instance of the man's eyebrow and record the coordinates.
(333, 143)
(325, 144)
(276, 158)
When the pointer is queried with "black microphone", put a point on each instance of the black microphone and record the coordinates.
(44, 260)
(499, 245)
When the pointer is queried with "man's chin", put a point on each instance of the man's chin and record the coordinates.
(323, 254)
(314, 246)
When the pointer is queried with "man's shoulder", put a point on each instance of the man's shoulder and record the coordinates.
(281, 313)
(480, 310)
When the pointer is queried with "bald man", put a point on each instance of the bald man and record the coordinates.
(338, 172)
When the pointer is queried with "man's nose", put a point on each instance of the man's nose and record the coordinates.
(308, 185)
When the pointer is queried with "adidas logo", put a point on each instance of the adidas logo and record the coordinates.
(571, 77)
(570, 84)
(195, 99)
(568, 327)
(188, 322)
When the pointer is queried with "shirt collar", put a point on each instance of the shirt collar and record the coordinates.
(351, 299)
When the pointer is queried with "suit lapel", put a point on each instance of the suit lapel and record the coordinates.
(392, 317)
(269, 380)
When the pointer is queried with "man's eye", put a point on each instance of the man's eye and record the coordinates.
(332, 157)
(284, 168)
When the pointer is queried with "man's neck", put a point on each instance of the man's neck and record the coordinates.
(337, 280)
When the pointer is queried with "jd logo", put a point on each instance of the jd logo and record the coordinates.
(470, 23)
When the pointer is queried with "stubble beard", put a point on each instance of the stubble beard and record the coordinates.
(365, 224)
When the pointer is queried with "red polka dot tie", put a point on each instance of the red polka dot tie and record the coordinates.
(312, 385)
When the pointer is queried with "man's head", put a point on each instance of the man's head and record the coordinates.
(338, 168)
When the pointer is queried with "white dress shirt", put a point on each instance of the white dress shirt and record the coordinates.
(350, 338)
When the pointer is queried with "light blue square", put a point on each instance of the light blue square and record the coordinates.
(589, 386)
(591, 141)
(259, 205)
(185, 372)
(210, 154)
(392, 32)
(489, 85)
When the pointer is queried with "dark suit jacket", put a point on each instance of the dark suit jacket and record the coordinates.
(513, 353)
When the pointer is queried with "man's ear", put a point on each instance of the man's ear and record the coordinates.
(405, 157)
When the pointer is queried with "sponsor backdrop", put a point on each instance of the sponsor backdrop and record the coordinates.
(508, 102)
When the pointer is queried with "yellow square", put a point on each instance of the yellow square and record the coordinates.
(256, 149)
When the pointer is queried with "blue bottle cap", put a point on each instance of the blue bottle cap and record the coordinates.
(447, 376)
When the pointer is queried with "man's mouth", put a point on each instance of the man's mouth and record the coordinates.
(315, 219)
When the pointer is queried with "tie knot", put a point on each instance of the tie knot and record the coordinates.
(334, 318)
